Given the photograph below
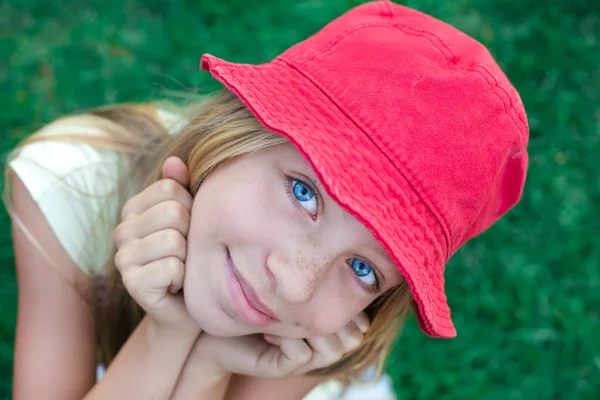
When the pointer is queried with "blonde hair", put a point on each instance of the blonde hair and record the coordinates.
(220, 128)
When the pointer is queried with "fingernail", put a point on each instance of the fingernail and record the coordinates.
(362, 326)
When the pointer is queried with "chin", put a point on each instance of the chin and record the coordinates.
(211, 318)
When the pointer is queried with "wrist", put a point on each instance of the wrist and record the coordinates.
(158, 332)
(205, 355)
(202, 377)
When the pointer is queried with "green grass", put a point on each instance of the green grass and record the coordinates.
(525, 295)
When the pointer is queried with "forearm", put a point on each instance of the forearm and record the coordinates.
(148, 365)
(194, 384)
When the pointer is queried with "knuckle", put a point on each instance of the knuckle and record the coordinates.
(173, 240)
(354, 338)
(169, 187)
(175, 212)
(304, 357)
(121, 259)
(174, 265)
(337, 351)
(354, 342)
(120, 233)
(355, 331)
(127, 209)
(361, 321)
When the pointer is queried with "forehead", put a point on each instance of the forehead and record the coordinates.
(283, 153)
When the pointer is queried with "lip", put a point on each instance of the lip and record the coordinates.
(244, 299)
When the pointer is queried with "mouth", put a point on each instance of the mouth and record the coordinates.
(244, 299)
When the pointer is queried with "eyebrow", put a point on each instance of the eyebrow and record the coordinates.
(382, 253)
(314, 179)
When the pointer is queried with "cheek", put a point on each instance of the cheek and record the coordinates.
(240, 212)
(333, 310)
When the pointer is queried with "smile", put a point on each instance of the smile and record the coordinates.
(244, 300)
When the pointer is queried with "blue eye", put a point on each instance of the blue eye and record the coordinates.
(364, 271)
(305, 196)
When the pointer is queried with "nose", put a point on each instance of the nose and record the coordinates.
(297, 276)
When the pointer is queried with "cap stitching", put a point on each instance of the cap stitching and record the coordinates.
(452, 64)
(332, 43)
(329, 105)
(405, 170)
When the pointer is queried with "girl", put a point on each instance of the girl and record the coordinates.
(272, 237)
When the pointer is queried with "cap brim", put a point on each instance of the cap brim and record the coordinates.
(289, 104)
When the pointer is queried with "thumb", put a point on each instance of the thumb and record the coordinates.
(174, 168)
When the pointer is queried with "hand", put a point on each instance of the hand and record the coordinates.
(277, 357)
(151, 246)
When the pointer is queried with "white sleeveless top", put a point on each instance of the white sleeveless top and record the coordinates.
(70, 181)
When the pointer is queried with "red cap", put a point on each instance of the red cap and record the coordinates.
(410, 125)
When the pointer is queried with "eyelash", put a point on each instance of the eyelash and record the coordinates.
(373, 289)
(289, 190)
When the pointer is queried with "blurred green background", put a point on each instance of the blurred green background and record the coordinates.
(525, 295)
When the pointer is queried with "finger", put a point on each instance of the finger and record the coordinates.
(326, 349)
(161, 244)
(177, 279)
(326, 354)
(272, 339)
(174, 168)
(150, 285)
(168, 214)
(350, 337)
(286, 358)
(158, 192)
(362, 320)
(152, 281)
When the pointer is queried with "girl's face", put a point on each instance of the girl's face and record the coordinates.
(270, 252)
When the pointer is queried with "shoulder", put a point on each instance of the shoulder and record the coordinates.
(171, 120)
(75, 184)
(44, 163)
(71, 184)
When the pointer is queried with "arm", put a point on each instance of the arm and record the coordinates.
(267, 367)
(212, 385)
(253, 388)
(55, 346)
(217, 385)
(242, 387)
(148, 365)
